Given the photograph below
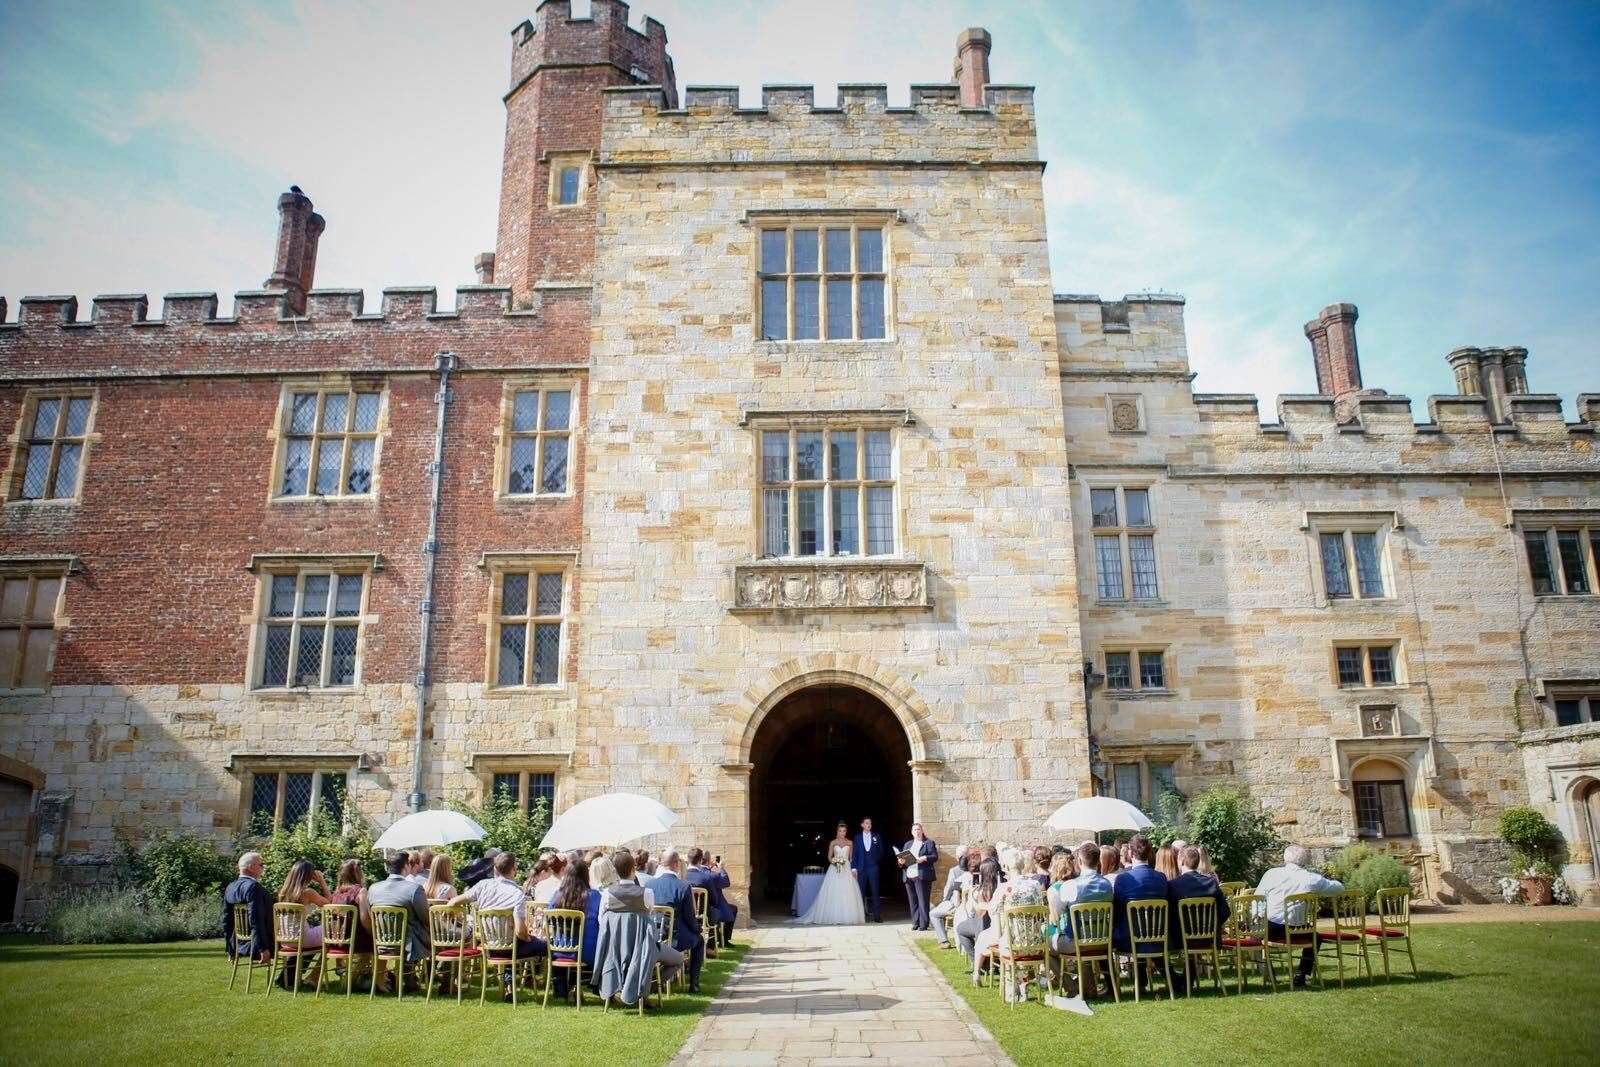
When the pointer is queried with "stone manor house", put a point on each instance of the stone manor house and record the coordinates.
(765, 471)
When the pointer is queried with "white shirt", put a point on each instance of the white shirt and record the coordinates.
(866, 841)
(914, 870)
(1280, 882)
(498, 892)
(545, 891)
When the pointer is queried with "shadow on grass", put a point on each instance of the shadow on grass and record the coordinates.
(45, 951)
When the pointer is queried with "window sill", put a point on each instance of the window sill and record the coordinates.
(1389, 688)
(1565, 597)
(301, 693)
(501, 692)
(328, 498)
(1126, 602)
(532, 498)
(1387, 837)
(1365, 602)
(1574, 732)
(823, 347)
(1140, 694)
(43, 501)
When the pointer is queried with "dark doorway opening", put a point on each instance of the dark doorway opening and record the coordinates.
(822, 755)
(8, 894)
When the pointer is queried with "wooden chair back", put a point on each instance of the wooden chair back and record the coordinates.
(535, 914)
(1300, 917)
(449, 927)
(244, 931)
(288, 927)
(662, 920)
(389, 925)
(1147, 925)
(1197, 920)
(497, 930)
(564, 936)
(1350, 911)
(1024, 930)
(1233, 889)
(339, 927)
(1249, 916)
(1091, 925)
(1393, 906)
(702, 910)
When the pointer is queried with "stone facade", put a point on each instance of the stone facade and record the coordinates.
(979, 639)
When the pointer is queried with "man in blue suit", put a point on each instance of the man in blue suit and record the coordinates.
(713, 879)
(866, 857)
(671, 890)
(1139, 882)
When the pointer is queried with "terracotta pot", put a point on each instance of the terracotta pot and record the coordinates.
(1536, 890)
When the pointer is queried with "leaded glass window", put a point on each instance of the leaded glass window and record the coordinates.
(827, 492)
(1352, 552)
(311, 630)
(539, 442)
(822, 282)
(528, 627)
(330, 443)
(286, 796)
(54, 433)
(29, 604)
(1124, 544)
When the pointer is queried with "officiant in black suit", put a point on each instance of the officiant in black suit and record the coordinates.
(866, 857)
(918, 875)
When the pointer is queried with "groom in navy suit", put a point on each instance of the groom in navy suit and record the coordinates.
(866, 856)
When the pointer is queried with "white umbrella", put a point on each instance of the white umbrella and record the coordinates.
(1097, 814)
(608, 819)
(428, 828)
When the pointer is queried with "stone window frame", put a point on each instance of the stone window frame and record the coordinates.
(495, 566)
(861, 422)
(1382, 524)
(26, 623)
(822, 220)
(1122, 532)
(524, 796)
(486, 765)
(543, 384)
(1587, 694)
(279, 767)
(1586, 525)
(1396, 655)
(266, 568)
(22, 438)
(321, 385)
(1136, 653)
(1117, 400)
(560, 161)
(1146, 758)
(1359, 772)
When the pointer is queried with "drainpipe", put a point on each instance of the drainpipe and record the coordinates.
(430, 553)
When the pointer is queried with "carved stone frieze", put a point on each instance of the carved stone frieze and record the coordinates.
(830, 585)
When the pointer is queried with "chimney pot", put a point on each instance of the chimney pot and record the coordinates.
(1333, 352)
(972, 65)
(295, 260)
(483, 264)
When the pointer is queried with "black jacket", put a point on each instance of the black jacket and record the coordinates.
(246, 890)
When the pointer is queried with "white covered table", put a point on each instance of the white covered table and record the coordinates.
(806, 887)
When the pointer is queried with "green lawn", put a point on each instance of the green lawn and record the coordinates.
(1488, 993)
(170, 1003)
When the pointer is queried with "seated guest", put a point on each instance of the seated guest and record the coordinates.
(349, 889)
(1086, 887)
(973, 916)
(1042, 855)
(671, 890)
(1205, 862)
(541, 867)
(1167, 861)
(627, 951)
(710, 876)
(1280, 882)
(399, 891)
(1191, 883)
(247, 889)
(642, 867)
(422, 862)
(1020, 889)
(440, 884)
(304, 884)
(576, 894)
(1139, 882)
(957, 882)
(1110, 860)
(480, 868)
(496, 892)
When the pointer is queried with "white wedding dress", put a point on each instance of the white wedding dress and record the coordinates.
(838, 902)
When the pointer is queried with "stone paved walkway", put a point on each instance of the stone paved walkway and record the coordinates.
(837, 995)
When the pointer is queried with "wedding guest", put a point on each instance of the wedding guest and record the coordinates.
(1280, 882)
(670, 890)
(1205, 862)
(399, 891)
(541, 867)
(501, 891)
(626, 951)
(1140, 881)
(1110, 860)
(956, 882)
(1042, 855)
(642, 867)
(441, 879)
(1125, 855)
(480, 868)
(1019, 890)
(247, 889)
(576, 894)
(974, 914)
(1167, 861)
(1192, 883)
(350, 888)
(713, 879)
(304, 884)
(422, 861)
(544, 891)
(1086, 887)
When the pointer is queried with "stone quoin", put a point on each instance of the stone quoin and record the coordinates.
(776, 482)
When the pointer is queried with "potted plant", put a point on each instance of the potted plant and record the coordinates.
(1535, 845)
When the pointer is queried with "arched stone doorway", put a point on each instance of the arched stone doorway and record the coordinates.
(823, 753)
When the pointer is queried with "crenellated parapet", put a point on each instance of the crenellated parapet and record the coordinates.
(555, 38)
(51, 338)
(641, 126)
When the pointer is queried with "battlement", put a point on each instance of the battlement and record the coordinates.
(554, 37)
(642, 125)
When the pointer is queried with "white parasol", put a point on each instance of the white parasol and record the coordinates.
(429, 828)
(1097, 814)
(608, 819)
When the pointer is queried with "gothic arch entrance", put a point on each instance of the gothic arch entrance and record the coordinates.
(822, 754)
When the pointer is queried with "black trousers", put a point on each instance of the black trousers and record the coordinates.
(917, 897)
(1275, 931)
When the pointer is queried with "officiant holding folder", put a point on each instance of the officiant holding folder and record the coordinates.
(917, 861)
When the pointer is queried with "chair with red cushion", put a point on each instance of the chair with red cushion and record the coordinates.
(339, 923)
(450, 930)
(1393, 926)
(1245, 933)
(1091, 944)
(288, 944)
(1197, 926)
(1348, 936)
(1299, 933)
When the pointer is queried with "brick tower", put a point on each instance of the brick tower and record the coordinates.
(559, 65)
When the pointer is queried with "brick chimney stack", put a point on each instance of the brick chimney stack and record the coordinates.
(972, 65)
(295, 263)
(483, 266)
(1333, 351)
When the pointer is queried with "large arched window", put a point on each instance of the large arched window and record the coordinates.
(1383, 804)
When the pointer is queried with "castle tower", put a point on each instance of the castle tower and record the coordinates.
(559, 65)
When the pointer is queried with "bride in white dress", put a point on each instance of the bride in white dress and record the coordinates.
(838, 902)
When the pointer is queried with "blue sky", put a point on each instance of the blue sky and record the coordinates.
(1436, 164)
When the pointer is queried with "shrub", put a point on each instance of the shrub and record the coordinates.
(127, 916)
(175, 867)
(1344, 863)
(1378, 871)
(507, 826)
(1167, 825)
(1234, 830)
(1535, 842)
(322, 841)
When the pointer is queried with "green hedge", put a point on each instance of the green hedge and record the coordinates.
(127, 916)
